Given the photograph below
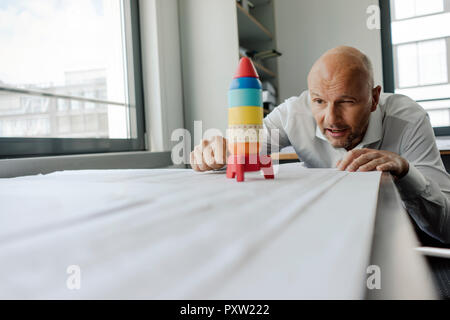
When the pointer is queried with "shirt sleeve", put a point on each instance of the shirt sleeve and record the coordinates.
(274, 136)
(425, 190)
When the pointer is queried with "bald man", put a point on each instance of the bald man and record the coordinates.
(343, 121)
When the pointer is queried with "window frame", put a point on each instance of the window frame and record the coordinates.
(388, 57)
(19, 147)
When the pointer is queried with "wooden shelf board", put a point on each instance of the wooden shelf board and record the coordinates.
(264, 72)
(251, 29)
(260, 2)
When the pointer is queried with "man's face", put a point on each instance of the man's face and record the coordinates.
(341, 107)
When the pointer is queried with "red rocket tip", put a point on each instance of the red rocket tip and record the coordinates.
(246, 69)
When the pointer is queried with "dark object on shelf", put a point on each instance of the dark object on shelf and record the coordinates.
(269, 96)
(244, 52)
(246, 4)
(259, 55)
(266, 54)
(266, 85)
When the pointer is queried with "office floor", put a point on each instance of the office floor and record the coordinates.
(440, 267)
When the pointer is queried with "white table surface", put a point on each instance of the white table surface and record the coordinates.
(178, 234)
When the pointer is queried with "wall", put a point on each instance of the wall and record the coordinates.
(161, 68)
(209, 55)
(305, 29)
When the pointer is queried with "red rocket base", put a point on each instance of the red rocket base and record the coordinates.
(237, 165)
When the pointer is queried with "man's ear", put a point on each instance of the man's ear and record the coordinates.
(375, 98)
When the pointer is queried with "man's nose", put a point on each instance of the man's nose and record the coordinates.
(333, 114)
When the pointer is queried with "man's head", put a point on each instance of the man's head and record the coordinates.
(342, 92)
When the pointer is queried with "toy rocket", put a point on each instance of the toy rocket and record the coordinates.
(245, 124)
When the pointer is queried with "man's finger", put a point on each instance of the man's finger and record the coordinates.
(362, 160)
(219, 150)
(372, 165)
(208, 157)
(198, 153)
(193, 164)
(204, 144)
(388, 166)
(349, 157)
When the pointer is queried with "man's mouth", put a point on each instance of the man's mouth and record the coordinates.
(336, 133)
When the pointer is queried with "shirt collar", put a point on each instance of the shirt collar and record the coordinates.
(374, 130)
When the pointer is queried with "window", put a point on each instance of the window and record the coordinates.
(422, 63)
(69, 77)
(416, 55)
(411, 8)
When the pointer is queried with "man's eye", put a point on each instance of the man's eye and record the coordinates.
(348, 102)
(318, 101)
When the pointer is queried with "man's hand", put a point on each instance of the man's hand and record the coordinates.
(210, 154)
(371, 160)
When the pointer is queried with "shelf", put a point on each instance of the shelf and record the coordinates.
(264, 72)
(255, 36)
(260, 2)
(251, 29)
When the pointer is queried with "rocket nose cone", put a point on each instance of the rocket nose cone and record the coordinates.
(246, 69)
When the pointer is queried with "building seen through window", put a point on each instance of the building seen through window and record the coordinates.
(29, 116)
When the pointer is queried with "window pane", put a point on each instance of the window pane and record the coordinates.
(65, 48)
(439, 118)
(423, 28)
(429, 6)
(412, 8)
(59, 44)
(42, 117)
(426, 92)
(404, 8)
(432, 61)
(436, 104)
(407, 58)
(421, 55)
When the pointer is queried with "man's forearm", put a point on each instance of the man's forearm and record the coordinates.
(425, 201)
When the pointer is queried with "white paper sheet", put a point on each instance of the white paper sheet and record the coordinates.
(174, 233)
